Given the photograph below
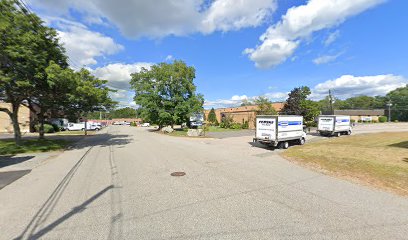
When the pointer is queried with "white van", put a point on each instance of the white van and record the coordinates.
(334, 125)
(279, 130)
(81, 126)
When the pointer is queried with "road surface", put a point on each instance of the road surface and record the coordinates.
(117, 185)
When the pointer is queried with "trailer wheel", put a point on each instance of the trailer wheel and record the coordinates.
(348, 132)
(83, 129)
(302, 141)
(337, 134)
(284, 145)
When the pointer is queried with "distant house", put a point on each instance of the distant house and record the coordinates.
(360, 114)
(241, 114)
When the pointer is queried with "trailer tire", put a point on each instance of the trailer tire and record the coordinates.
(348, 132)
(302, 141)
(337, 134)
(284, 145)
(83, 129)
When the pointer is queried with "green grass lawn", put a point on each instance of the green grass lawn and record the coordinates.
(218, 129)
(75, 133)
(379, 159)
(8, 146)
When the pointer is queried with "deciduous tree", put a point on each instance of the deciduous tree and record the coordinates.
(166, 93)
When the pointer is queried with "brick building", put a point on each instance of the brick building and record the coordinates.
(241, 114)
(24, 119)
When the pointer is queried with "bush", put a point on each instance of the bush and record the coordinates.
(360, 121)
(396, 121)
(48, 128)
(382, 119)
(352, 121)
(311, 124)
(236, 126)
(245, 125)
(133, 124)
(226, 122)
(374, 121)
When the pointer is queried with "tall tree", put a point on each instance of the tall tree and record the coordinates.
(91, 94)
(212, 118)
(166, 93)
(296, 97)
(26, 48)
(399, 100)
(264, 106)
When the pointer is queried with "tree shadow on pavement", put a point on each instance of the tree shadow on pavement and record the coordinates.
(11, 160)
(403, 144)
(40, 233)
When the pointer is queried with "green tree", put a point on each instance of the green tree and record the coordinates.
(293, 105)
(310, 110)
(212, 118)
(264, 106)
(126, 112)
(399, 100)
(91, 94)
(166, 93)
(26, 48)
(246, 102)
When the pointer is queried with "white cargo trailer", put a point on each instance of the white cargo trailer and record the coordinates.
(333, 125)
(279, 130)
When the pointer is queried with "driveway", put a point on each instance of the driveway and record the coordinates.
(117, 185)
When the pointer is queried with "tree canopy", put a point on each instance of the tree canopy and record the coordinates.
(264, 106)
(166, 93)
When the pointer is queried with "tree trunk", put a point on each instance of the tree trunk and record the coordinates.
(16, 127)
(86, 126)
(41, 129)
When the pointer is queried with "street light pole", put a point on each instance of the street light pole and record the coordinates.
(389, 111)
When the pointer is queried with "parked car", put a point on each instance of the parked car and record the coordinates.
(146, 125)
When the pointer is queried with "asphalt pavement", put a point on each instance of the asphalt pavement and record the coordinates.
(118, 185)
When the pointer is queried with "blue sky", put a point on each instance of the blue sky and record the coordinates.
(240, 49)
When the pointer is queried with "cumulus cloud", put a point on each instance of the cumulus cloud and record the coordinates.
(345, 86)
(226, 15)
(236, 100)
(161, 18)
(118, 74)
(349, 86)
(281, 39)
(82, 45)
(326, 59)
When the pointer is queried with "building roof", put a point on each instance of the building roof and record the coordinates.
(277, 105)
(360, 112)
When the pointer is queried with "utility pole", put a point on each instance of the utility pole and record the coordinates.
(331, 102)
(389, 104)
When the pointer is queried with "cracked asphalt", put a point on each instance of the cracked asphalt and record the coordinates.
(117, 185)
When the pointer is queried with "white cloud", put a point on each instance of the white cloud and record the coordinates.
(226, 15)
(82, 45)
(349, 86)
(118, 74)
(160, 18)
(331, 38)
(281, 39)
(326, 59)
(236, 100)
(169, 58)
